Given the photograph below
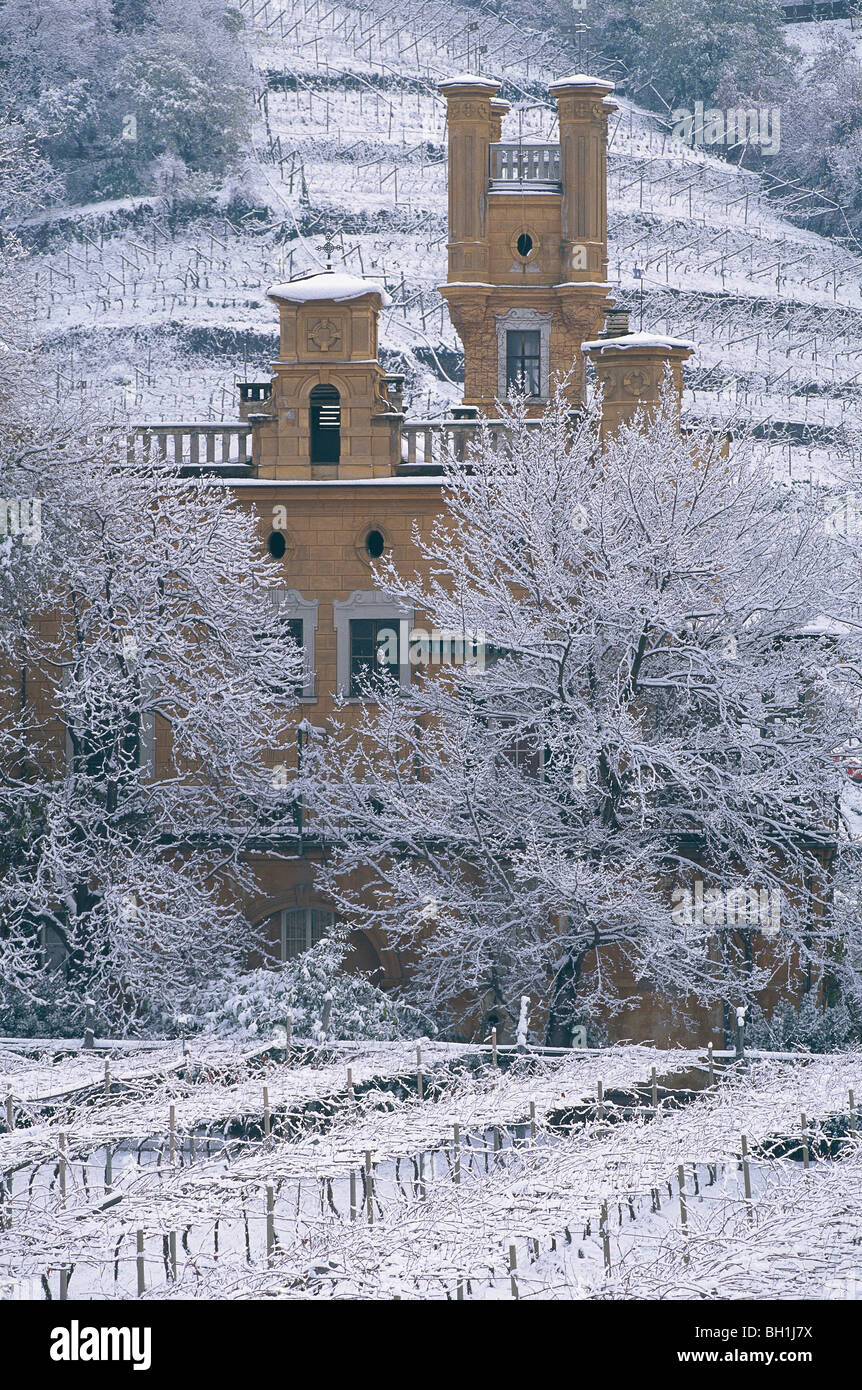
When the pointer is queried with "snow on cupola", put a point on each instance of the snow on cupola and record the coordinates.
(332, 412)
(630, 370)
(329, 284)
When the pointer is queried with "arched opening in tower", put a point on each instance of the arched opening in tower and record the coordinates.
(325, 425)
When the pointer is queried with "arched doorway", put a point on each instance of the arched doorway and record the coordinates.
(325, 403)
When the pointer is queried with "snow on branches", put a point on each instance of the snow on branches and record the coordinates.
(139, 633)
(638, 773)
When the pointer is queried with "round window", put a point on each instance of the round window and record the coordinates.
(525, 244)
(374, 544)
(276, 545)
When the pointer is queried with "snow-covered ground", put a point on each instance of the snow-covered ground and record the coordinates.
(306, 1179)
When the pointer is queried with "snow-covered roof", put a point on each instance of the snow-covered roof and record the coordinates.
(468, 79)
(637, 340)
(580, 79)
(329, 284)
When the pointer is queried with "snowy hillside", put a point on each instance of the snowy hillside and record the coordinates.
(160, 311)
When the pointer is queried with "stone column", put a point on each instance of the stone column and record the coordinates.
(630, 371)
(472, 125)
(583, 117)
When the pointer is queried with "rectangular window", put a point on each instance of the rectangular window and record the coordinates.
(302, 928)
(523, 358)
(295, 627)
(375, 651)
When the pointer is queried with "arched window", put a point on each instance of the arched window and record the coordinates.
(325, 425)
(302, 927)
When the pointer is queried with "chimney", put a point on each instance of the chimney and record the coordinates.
(630, 369)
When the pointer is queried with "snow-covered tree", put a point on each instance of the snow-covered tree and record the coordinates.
(147, 680)
(675, 52)
(822, 131)
(641, 774)
(110, 90)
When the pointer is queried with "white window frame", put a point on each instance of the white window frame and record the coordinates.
(306, 911)
(368, 603)
(526, 319)
(295, 606)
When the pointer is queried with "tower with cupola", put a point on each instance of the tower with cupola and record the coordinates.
(528, 258)
(332, 412)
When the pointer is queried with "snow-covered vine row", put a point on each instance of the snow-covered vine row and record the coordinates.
(579, 1191)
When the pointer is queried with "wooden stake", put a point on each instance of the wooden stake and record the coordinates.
(172, 1248)
(64, 1283)
(353, 1208)
(109, 1175)
(711, 1065)
(805, 1155)
(140, 1261)
(533, 1120)
(270, 1223)
(654, 1091)
(600, 1090)
(266, 1129)
(746, 1172)
(513, 1270)
(10, 1113)
(493, 1047)
(350, 1091)
(369, 1190)
(606, 1236)
(107, 1079)
(852, 1113)
(456, 1163)
(63, 1166)
(173, 1135)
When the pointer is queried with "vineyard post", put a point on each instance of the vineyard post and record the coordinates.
(369, 1190)
(606, 1236)
(270, 1223)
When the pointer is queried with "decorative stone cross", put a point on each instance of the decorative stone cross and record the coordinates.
(324, 334)
(327, 248)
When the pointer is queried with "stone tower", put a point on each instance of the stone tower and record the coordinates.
(331, 413)
(528, 258)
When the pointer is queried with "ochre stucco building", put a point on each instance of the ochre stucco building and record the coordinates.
(338, 474)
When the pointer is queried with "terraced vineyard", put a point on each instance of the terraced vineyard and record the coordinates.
(161, 314)
(427, 1171)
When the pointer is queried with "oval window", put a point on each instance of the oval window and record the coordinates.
(276, 545)
(525, 244)
(374, 544)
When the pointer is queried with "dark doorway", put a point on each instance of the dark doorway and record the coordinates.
(325, 425)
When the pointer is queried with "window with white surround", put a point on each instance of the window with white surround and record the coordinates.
(302, 614)
(523, 353)
(368, 616)
(140, 739)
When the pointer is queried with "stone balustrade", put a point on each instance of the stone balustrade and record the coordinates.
(520, 163)
(194, 445)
